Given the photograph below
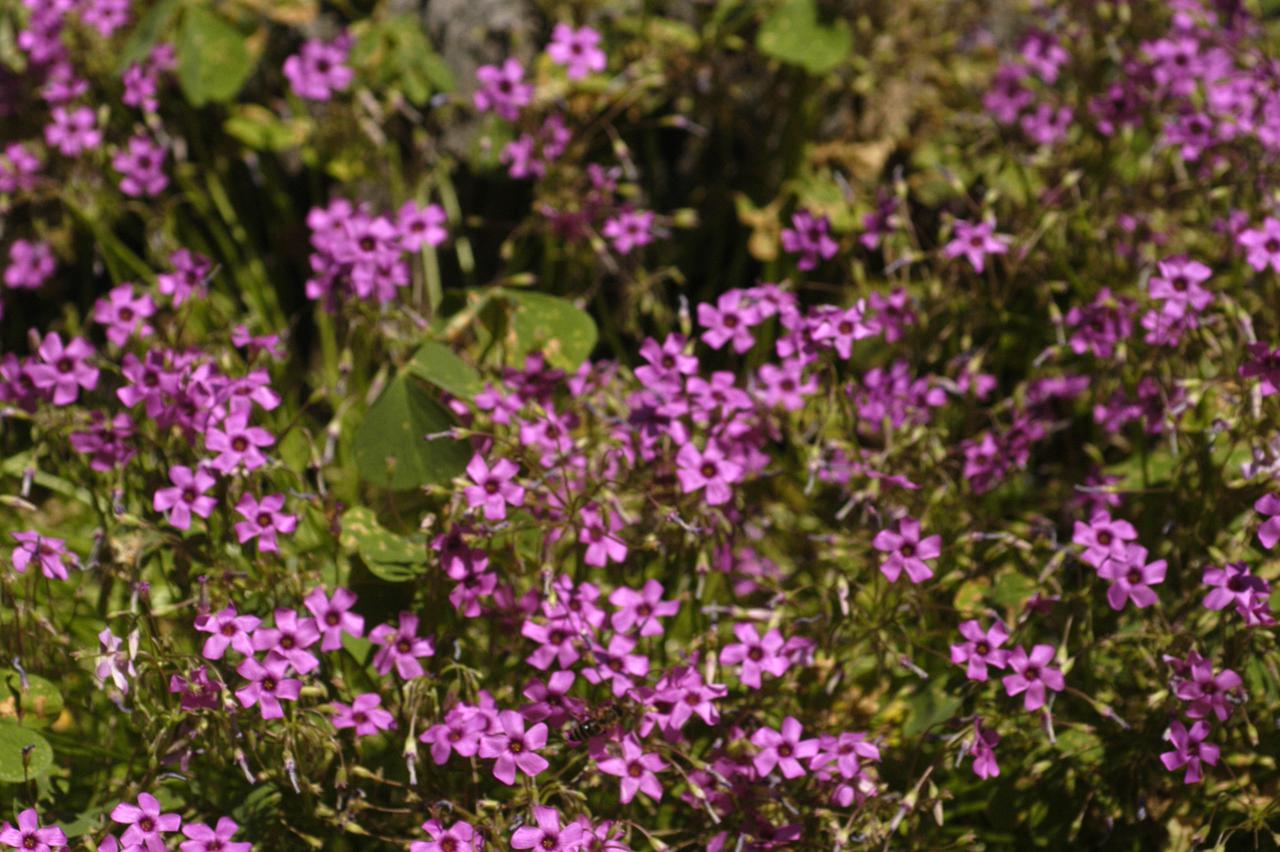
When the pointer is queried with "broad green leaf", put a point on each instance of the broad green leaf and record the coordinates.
(553, 326)
(437, 363)
(1012, 589)
(391, 446)
(361, 533)
(14, 741)
(40, 702)
(793, 34)
(214, 59)
(260, 128)
(395, 53)
(928, 708)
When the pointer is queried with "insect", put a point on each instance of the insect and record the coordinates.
(595, 722)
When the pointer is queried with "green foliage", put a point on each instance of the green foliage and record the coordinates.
(438, 364)
(794, 34)
(565, 334)
(214, 58)
(392, 448)
(24, 754)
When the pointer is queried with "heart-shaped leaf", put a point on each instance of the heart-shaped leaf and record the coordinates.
(23, 753)
(391, 445)
(793, 34)
(40, 702)
(436, 363)
(214, 59)
(565, 334)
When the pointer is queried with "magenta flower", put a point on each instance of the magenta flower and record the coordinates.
(975, 242)
(1269, 531)
(1189, 750)
(618, 665)
(494, 488)
(125, 314)
(1207, 692)
(146, 823)
(1178, 283)
(228, 629)
(551, 700)
(263, 520)
(783, 749)
(840, 329)
(809, 237)
(1032, 675)
(514, 748)
(729, 321)
(190, 273)
(982, 649)
(115, 659)
(983, 751)
(1262, 245)
(187, 496)
(1131, 579)
(72, 132)
(64, 370)
(460, 837)
(365, 714)
(460, 731)
(45, 552)
(907, 552)
(603, 545)
(202, 838)
(268, 685)
(577, 50)
(30, 265)
(1234, 583)
(29, 835)
(636, 769)
(236, 443)
(334, 616)
(1103, 538)
(755, 654)
(708, 469)
(688, 696)
(319, 69)
(641, 609)
(629, 230)
(290, 638)
(401, 647)
(197, 690)
(502, 89)
(141, 167)
(421, 226)
(547, 834)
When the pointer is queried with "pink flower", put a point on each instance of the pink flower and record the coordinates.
(115, 659)
(629, 230)
(319, 69)
(502, 89)
(364, 714)
(72, 132)
(1207, 692)
(983, 751)
(975, 242)
(636, 769)
(547, 835)
(603, 546)
(1189, 750)
(64, 369)
(729, 320)
(401, 647)
(783, 749)
(41, 550)
(263, 520)
(202, 838)
(333, 616)
(460, 731)
(187, 496)
(30, 265)
(577, 50)
(1269, 531)
(1103, 538)
(190, 272)
(755, 654)
(514, 748)
(1131, 579)
(709, 469)
(236, 443)
(907, 552)
(146, 823)
(1179, 283)
(641, 609)
(494, 488)
(268, 684)
(290, 638)
(30, 836)
(421, 226)
(808, 237)
(460, 837)
(228, 629)
(1262, 245)
(982, 648)
(1234, 583)
(125, 314)
(141, 166)
(618, 665)
(840, 329)
(1032, 675)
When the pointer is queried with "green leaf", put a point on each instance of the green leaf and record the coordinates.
(927, 709)
(147, 33)
(437, 363)
(391, 447)
(40, 702)
(14, 740)
(260, 128)
(1012, 589)
(361, 533)
(214, 60)
(553, 326)
(793, 34)
(395, 53)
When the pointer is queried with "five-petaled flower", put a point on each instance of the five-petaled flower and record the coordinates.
(637, 769)
(1032, 675)
(514, 748)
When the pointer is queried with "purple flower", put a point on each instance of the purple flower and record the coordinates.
(421, 226)
(236, 443)
(290, 638)
(30, 265)
(460, 731)
(202, 838)
(1131, 579)
(755, 654)
(268, 685)
(629, 230)
(263, 520)
(689, 695)
(1032, 675)
(840, 329)
(577, 50)
(334, 616)
(1234, 583)
(1262, 245)
(982, 649)
(141, 166)
(401, 647)
(636, 769)
(365, 714)
(64, 370)
(1269, 530)
(72, 132)
(41, 550)
(1179, 284)
(190, 272)
(125, 314)
(547, 835)
(514, 748)
(29, 835)
(502, 89)
(146, 823)
(975, 242)
(227, 629)
(708, 469)
(783, 749)
(187, 495)
(641, 609)
(1103, 538)
(113, 663)
(603, 546)
(460, 837)
(808, 237)
(494, 487)
(983, 751)
(1207, 692)
(907, 552)
(729, 320)
(1189, 750)
(319, 69)
(197, 690)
